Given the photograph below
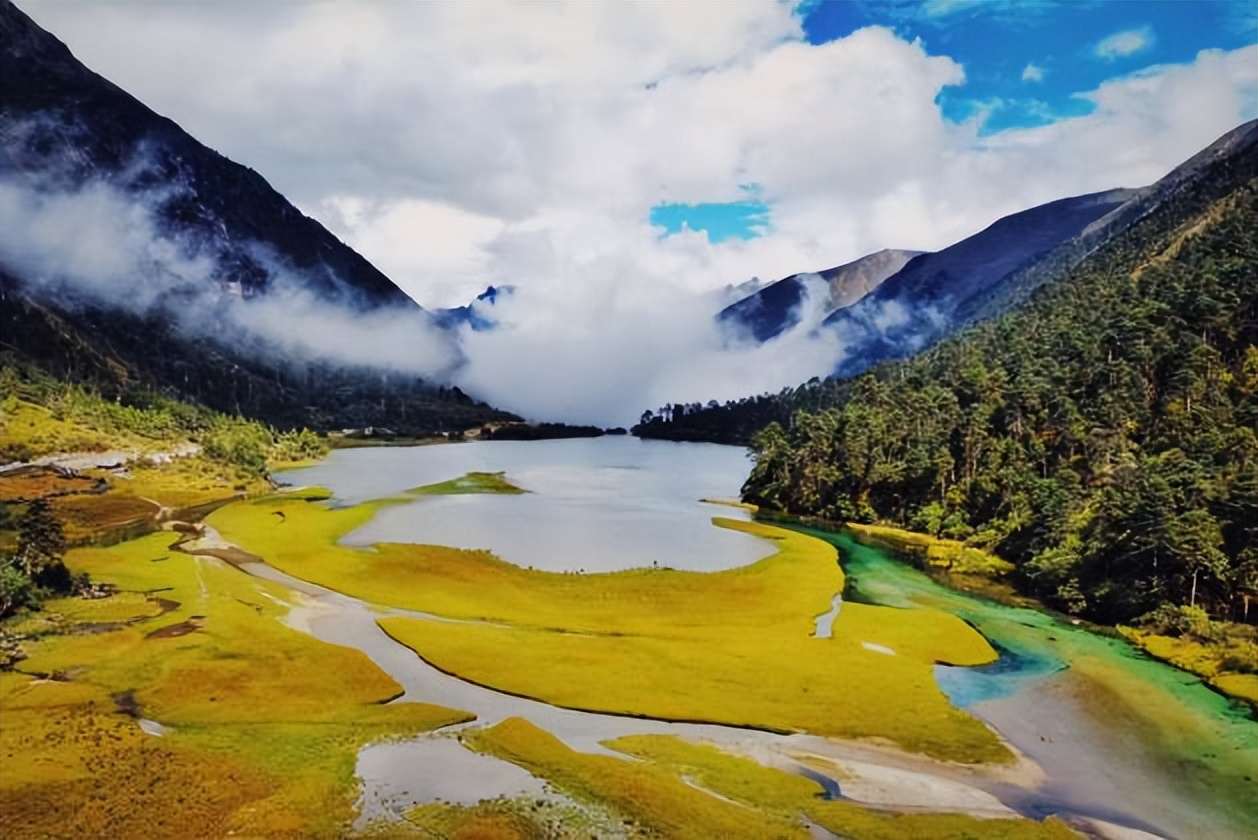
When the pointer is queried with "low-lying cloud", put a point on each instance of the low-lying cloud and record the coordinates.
(100, 245)
(607, 367)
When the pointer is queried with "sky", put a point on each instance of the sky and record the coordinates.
(620, 164)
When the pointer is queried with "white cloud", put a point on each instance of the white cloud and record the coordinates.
(103, 244)
(458, 149)
(1033, 73)
(434, 251)
(1125, 43)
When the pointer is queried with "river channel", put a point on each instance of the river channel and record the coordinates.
(625, 503)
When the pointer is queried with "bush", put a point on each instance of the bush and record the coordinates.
(16, 589)
(1179, 620)
(242, 445)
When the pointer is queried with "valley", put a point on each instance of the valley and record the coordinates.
(320, 516)
(616, 702)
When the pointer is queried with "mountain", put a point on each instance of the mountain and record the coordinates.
(920, 303)
(131, 254)
(66, 125)
(732, 293)
(778, 307)
(984, 275)
(987, 277)
(477, 315)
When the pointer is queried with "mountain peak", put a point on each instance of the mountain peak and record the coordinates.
(804, 299)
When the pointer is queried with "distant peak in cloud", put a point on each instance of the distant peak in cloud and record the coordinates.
(1033, 73)
(1125, 43)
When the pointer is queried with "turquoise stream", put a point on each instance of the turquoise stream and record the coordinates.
(1181, 758)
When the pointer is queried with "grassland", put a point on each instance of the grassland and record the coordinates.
(473, 482)
(952, 556)
(263, 722)
(107, 505)
(36, 429)
(683, 790)
(734, 647)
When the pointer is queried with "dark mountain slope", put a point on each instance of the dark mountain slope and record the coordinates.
(130, 254)
(919, 304)
(119, 352)
(780, 306)
(1185, 191)
(61, 125)
(983, 276)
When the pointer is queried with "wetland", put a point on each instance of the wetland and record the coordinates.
(437, 641)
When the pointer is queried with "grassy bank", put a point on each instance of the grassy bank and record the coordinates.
(666, 787)
(263, 723)
(1222, 653)
(1212, 659)
(653, 642)
(934, 553)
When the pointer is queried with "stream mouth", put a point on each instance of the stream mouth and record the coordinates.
(1011, 672)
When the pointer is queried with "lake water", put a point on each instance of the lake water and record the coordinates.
(594, 504)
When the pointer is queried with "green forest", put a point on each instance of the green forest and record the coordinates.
(40, 415)
(1102, 438)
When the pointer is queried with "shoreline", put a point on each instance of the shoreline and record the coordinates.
(879, 776)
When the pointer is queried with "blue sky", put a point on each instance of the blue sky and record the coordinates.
(744, 219)
(1026, 63)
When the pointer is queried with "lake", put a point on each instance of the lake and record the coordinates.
(593, 504)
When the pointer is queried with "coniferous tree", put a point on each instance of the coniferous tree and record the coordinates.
(41, 545)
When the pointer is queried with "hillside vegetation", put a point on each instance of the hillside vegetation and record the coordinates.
(1101, 438)
(137, 459)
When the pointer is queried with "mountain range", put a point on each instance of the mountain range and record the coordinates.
(133, 255)
(993, 274)
(927, 296)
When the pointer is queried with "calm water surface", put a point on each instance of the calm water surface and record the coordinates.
(594, 504)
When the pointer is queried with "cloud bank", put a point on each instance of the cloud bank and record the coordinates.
(457, 149)
(102, 245)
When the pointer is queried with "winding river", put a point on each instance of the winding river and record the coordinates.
(1151, 752)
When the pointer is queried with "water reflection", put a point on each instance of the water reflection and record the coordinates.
(593, 505)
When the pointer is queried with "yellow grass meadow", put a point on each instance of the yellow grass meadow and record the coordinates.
(263, 723)
(735, 646)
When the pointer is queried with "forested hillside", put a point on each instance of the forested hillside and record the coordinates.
(1102, 437)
